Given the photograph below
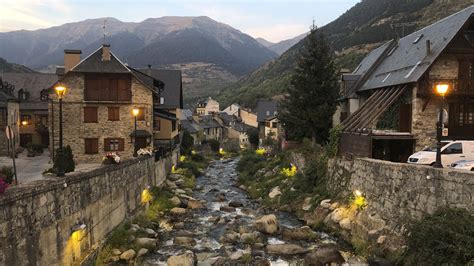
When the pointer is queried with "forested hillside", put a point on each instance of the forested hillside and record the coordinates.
(352, 35)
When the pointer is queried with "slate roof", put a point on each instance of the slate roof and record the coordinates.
(408, 61)
(141, 134)
(207, 121)
(191, 126)
(4, 98)
(263, 107)
(33, 83)
(166, 115)
(94, 64)
(173, 86)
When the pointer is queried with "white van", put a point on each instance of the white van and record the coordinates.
(451, 152)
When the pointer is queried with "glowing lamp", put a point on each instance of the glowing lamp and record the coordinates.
(182, 158)
(135, 111)
(146, 196)
(60, 91)
(357, 193)
(24, 123)
(442, 89)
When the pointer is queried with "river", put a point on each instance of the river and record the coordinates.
(213, 231)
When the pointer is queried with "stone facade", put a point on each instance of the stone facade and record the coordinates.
(75, 130)
(424, 118)
(400, 192)
(9, 116)
(37, 219)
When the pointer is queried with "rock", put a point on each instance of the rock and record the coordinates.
(179, 225)
(236, 204)
(175, 177)
(213, 219)
(185, 233)
(176, 201)
(243, 187)
(220, 198)
(302, 233)
(236, 255)
(258, 246)
(142, 252)
(116, 252)
(285, 249)
(170, 184)
(131, 238)
(267, 224)
(316, 217)
(345, 224)
(184, 241)
(114, 258)
(268, 174)
(324, 256)
(188, 190)
(145, 242)
(195, 204)
(178, 211)
(186, 259)
(337, 215)
(150, 232)
(179, 191)
(179, 182)
(165, 225)
(379, 262)
(325, 203)
(381, 240)
(133, 230)
(230, 237)
(227, 209)
(128, 255)
(306, 204)
(275, 192)
(250, 238)
(244, 229)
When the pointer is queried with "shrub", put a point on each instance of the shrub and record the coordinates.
(186, 143)
(215, 145)
(253, 136)
(68, 161)
(445, 237)
(334, 137)
(198, 158)
(6, 173)
(191, 166)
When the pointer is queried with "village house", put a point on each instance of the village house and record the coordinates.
(212, 126)
(235, 129)
(207, 106)
(9, 116)
(391, 102)
(167, 107)
(191, 126)
(268, 124)
(101, 94)
(34, 125)
(247, 117)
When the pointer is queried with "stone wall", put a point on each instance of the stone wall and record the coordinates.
(424, 117)
(37, 219)
(400, 192)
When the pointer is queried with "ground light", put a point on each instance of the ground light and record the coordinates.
(146, 196)
(359, 199)
(289, 172)
(222, 152)
(174, 169)
(260, 151)
(72, 251)
(182, 158)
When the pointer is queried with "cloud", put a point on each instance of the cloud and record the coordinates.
(278, 32)
(26, 14)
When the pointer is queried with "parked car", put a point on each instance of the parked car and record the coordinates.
(452, 151)
(463, 165)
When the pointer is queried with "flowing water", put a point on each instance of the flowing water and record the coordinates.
(207, 226)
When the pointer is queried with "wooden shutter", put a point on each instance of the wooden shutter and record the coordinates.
(121, 144)
(124, 90)
(104, 89)
(113, 90)
(106, 144)
(157, 124)
(141, 114)
(91, 146)
(92, 89)
(90, 115)
(114, 113)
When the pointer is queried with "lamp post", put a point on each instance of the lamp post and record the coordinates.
(135, 112)
(441, 89)
(60, 91)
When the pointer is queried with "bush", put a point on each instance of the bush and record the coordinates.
(6, 173)
(215, 145)
(68, 161)
(186, 143)
(198, 158)
(191, 166)
(36, 148)
(253, 136)
(445, 237)
(334, 137)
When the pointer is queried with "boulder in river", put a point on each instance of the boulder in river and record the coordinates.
(128, 255)
(302, 233)
(195, 204)
(142, 252)
(145, 242)
(175, 201)
(178, 211)
(275, 192)
(285, 249)
(324, 256)
(186, 259)
(227, 209)
(184, 241)
(267, 224)
(236, 204)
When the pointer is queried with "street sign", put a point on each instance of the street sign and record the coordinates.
(9, 133)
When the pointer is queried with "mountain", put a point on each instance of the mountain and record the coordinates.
(354, 34)
(15, 68)
(283, 46)
(161, 42)
(264, 42)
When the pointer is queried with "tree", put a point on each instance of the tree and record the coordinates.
(310, 101)
(187, 143)
(253, 136)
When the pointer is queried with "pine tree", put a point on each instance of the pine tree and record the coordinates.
(310, 101)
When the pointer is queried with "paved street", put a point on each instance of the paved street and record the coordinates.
(32, 168)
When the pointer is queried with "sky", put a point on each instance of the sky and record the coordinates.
(273, 20)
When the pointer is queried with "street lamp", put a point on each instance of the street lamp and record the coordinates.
(135, 112)
(60, 91)
(441, 89)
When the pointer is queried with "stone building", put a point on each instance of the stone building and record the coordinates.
(247, 117)
(268, 124)
(207, 106)
(97, 108)
(391, 100)
(9, 116)
(34, 126)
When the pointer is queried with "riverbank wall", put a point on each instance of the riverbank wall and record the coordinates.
(58, 221)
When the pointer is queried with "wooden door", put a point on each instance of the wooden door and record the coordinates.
(141, 142)
(405, 118)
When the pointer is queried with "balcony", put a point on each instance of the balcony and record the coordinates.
(458, 87)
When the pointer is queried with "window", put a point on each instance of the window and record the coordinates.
(91, 146)
(141, 114)
(455, 148)
(26, 118)
(114, 144)
(114, 113)
(267, 124)
(157, 124)
(90, 115)
(274, 125)
(173, 125)
(107, 88)
(268, 113)
(42, 120)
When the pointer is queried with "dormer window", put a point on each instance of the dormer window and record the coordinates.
(162, 100)
(22, 95)
(268, 113)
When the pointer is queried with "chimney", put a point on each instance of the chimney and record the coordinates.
(149, 70)
(106, 52)
(428, 47)
(71, 59)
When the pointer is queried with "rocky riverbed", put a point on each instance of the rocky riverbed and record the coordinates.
(218, 224)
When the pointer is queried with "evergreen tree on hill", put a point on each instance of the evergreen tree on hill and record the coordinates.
(310, 102)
